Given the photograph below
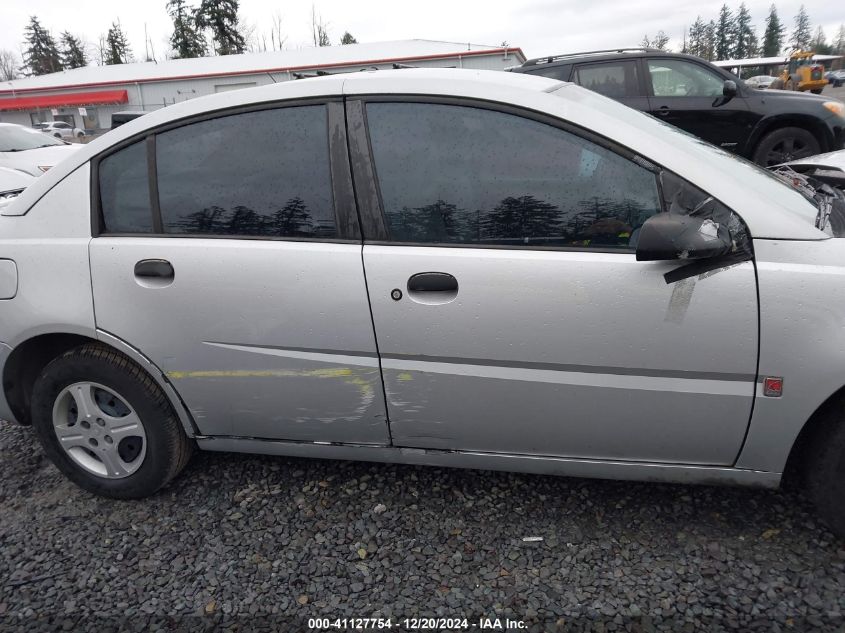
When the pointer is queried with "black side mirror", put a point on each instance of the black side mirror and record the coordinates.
(668, 236)
(729, 88)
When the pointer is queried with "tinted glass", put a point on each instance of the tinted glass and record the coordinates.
(560, 72)
(454, 174)
(125, 192)
(612, 79)
(677, 78)
(254, 174)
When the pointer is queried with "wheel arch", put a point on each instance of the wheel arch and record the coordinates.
(799, 456)
(30, 356)
(770, 124)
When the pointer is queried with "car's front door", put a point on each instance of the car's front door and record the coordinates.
(689, 96)
(510, 311)
(236, 268)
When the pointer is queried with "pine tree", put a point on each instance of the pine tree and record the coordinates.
(186, 41)
(117, 46)
(695, 45)
(839, 42)
(41, 55)
(348, 39)
(73, 54)
(745, 43)
(221, 16)
(725, 33)
(801, 35)
(710, 41)
(773, 36)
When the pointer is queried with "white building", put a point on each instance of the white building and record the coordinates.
(86, 97)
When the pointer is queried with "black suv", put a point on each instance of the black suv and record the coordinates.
(767, 126)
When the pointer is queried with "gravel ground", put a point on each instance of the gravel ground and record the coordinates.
(257, 543)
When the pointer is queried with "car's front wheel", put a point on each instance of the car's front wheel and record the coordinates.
(106, 425)
(785, 144)
(824, 468)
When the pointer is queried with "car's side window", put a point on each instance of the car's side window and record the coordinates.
(125, 191)
(466, 175)
(679, 78)
(263, 173)
(612, 79)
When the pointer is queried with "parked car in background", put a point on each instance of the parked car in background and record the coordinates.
(30, 151)
(119, 118)
(60, 129)
(768, 127)
(760, 81)
(836, 78)
(12, 184)
(525, 276)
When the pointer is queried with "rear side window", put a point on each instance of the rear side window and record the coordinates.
(560, 72)
(464, 175)
(260, 173)
(612, 79)
(125, 191)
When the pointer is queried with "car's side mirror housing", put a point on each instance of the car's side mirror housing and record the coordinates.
(729, 88)
(669, 236)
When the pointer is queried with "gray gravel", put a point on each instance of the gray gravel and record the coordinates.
(257, 542)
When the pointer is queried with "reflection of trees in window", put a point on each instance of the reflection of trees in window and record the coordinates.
(294, 219)
(524, 218)
(436, 222)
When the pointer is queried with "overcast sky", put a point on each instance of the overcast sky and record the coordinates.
(539, 27)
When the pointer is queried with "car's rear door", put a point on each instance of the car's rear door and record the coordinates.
(688, 95)
(619, 79)
(228, 252)
(510, 311)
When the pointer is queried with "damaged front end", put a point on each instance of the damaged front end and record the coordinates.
(824, 185)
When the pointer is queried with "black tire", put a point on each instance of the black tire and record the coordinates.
(785, 144)
(80, 135)
(816, 91)
(824, 468)
(168, 449)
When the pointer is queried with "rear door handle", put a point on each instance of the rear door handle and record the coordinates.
(154, 268)
(432, 282)
(663, 110)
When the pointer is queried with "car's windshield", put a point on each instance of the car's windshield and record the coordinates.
(19, 139)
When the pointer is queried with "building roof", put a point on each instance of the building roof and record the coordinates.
(311, 58)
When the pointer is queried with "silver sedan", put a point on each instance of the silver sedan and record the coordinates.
(448, 267)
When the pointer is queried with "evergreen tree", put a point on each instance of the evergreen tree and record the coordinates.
(725, 33)
(525, 217)
(819, 43)
(348, 39)
(839, 42)
(801, 35)
(773, 36)
(710, 41)
(186, 41)
(294, 219)
(221, 17)
(117, 46)
(696, 45)
(73, 54)
(745, 43)
(41, 55)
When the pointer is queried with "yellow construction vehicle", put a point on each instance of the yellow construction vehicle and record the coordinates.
(802, 74)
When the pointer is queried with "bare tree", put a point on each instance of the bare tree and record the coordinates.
(277, 40)
(319, 29)
(9, 65)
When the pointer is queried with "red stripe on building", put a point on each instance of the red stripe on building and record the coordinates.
(70, 99)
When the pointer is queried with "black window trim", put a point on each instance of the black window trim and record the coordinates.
(346, 216)
(369, 206)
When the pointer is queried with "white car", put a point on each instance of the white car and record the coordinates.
(60, 129)
(12, 184)
(760, 81)
(30, 151)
